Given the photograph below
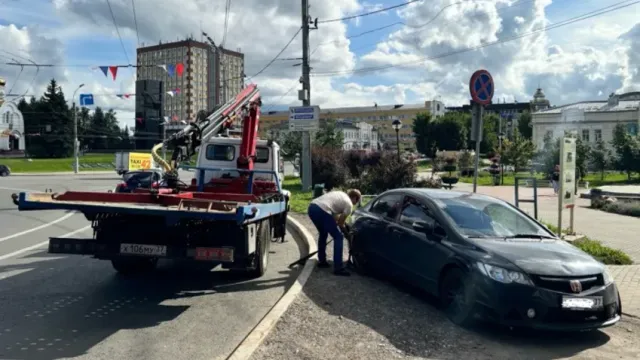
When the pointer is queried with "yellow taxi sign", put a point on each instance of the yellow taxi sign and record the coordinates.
(139, 161)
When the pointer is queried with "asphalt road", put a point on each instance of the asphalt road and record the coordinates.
(54, 307)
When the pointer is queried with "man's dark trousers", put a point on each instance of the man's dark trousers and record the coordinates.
(326, 224)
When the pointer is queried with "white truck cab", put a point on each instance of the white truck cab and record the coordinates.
(222, 152)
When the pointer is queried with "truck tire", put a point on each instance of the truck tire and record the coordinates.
(263, 242)
(133, 265)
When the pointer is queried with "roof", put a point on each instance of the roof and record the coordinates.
(359, 109)
(594, 106)
(442, 194)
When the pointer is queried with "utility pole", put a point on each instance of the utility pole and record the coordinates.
(305, 96)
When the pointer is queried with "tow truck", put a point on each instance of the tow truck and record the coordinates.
(229, 216)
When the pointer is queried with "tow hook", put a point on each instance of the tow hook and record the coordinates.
(15, 199)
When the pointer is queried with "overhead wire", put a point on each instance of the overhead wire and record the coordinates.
(115, 23)
(369, 13)
(135, 20)
(605, 10)
(227, 10)
(277, 56)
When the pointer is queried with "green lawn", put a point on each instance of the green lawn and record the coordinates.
(299, 199)
(98, 162)
(486, 179)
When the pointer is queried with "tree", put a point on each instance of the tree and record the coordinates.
(421, 126)
(627, 151)
(517, 151)
(291, 144)
(524, 125)
(329, 136)
(600, 157)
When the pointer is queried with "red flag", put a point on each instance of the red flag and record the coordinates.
(113, 70)
(179, 69)
(139, 120)
(127, 95)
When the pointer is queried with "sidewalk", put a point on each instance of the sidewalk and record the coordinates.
(616, 231)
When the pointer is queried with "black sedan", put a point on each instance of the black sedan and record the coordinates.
(481, 256)
(143, 179)
(4, 170)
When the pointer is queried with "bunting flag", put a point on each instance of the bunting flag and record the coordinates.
(179, 69)
(173, 92)
(113, 70)
(139, 120)
(171, 69)
(124, 96)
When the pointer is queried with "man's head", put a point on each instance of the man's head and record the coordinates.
(354, 195)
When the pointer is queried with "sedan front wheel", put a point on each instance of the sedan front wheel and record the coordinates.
(456, 297)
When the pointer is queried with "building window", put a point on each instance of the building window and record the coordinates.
(549, 134)
(585, 135)
(597, 134)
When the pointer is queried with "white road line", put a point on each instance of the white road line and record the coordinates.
(37, 227)
(33, 247)
(17, 189)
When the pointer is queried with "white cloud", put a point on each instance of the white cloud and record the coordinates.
(591, 58)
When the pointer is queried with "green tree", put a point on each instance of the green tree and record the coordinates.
(447, 133)
(600, 157)
(627, 151)
(421, 126)
(517, 151)
(329, 136)
(291, 144)
(524, 125)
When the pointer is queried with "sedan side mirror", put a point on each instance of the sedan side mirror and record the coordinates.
(422, 226)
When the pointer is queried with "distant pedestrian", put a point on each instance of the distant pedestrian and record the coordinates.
(555, 179)
(329, 213)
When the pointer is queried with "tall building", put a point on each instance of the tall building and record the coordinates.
(192, 73)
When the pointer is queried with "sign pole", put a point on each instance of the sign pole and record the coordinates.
(306, 98)
(566, 195)
(481, 88)
(477, 127)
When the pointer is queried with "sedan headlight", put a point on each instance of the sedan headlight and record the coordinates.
(608, 279)
(503, 275)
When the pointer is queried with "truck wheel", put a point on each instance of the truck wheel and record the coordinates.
(263, 242)
(133, 265)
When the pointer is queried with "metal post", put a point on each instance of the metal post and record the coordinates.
(477, 108)
(398, 143)
(164, 138)
(571, 209)
(76, 161)
(560, 216)
(306, 101)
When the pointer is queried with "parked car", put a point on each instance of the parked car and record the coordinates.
(482, 256)
(4, 170)
(144, 179)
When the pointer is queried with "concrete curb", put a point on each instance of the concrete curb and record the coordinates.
(257, 335)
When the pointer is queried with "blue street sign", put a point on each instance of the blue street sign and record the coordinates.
(481, 87)
(86, 99)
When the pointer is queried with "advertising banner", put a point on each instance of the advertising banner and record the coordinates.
(567, 172)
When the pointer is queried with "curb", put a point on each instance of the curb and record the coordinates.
(257, 335)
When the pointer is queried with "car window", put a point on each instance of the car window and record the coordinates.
(474, 217)
(138, 177)
(262, 154)
(387, 205)
(413, 211)
(221, 152)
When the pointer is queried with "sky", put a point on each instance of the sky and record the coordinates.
(575, 50)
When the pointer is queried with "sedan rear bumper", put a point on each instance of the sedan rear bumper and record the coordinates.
(539, 308)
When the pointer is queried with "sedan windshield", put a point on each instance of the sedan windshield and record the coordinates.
(135, 178)
(483, 217)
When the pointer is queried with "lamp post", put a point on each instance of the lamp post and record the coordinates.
(397, 125)
(76, 160)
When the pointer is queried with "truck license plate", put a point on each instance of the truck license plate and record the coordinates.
(214, 254)
(145, 250)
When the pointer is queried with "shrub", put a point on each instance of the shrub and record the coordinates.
(432, 183)
(604, 254)
(388, 174)
(328, 168)
(357, 162)
(629, 208)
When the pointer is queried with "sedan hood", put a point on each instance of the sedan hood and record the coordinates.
(542, 257)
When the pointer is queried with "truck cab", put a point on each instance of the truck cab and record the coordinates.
(222, 152)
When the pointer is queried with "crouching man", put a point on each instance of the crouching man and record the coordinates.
(329, 213)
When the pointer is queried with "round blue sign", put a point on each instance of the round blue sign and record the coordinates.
(481, 87)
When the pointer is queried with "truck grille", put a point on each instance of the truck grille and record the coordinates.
(563, 284)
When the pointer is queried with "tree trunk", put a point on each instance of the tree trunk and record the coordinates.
(602, 175)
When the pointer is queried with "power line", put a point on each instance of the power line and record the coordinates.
(368, 13)
(277, 56)
(118, 32)
(135, 20)
(586, 16)
(227, 10)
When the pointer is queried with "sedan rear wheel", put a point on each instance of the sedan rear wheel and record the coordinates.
(456, 297)
(359, 260)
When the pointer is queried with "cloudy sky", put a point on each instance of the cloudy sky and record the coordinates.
(422, 51)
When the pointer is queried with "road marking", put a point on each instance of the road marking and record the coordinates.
(37, 227)
(33, 247)
(16, 189)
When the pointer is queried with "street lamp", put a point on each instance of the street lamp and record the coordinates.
(76, 160)
(397, 125)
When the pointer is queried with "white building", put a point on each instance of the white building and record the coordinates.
(11, 129)
(591, 120)
(358, 135)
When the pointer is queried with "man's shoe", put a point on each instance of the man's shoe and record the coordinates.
(341, 272)
(323, 264)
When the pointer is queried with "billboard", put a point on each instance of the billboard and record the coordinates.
(567, 172)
